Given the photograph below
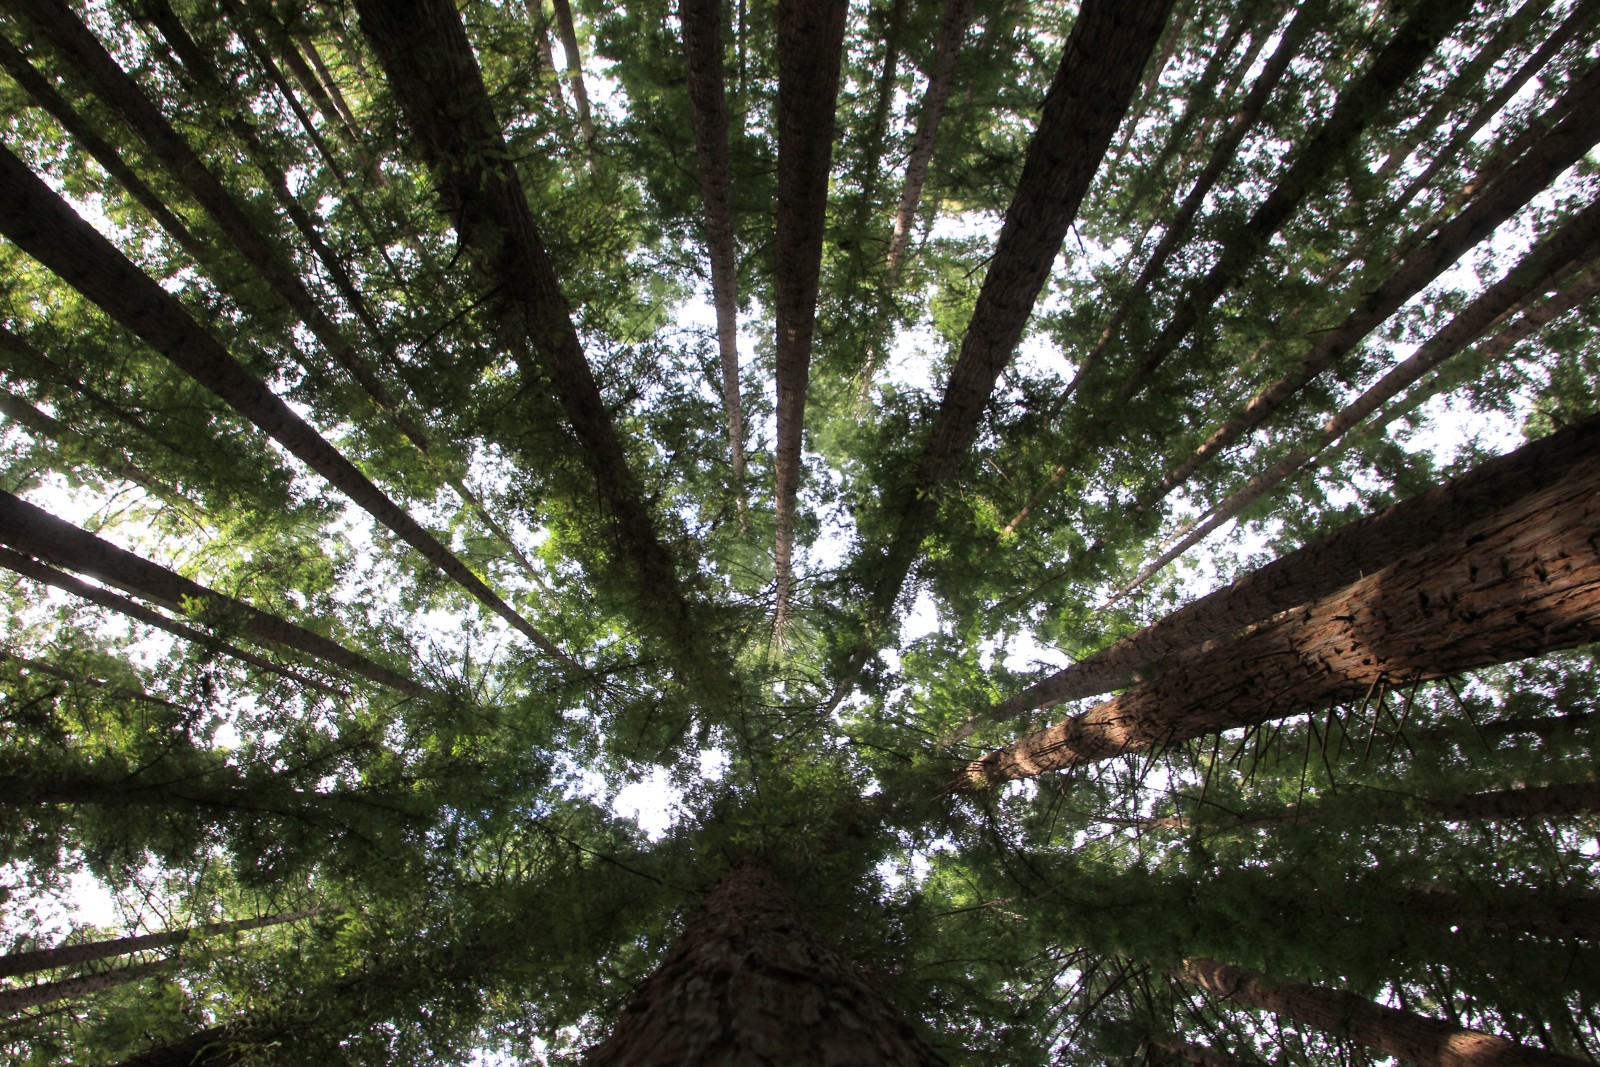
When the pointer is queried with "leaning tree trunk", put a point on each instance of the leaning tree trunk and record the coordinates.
(1524, 581)
(1322, 568)
(15, 1000)
(15, 963)
(1412, 1039)
(569, 45)
(748, 981)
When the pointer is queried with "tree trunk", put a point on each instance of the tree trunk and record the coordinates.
(1525, 912)
(431, 68)
(1410, 1038)
(1193, 1052)
(1524, 581)
(810, 50)
(46, 228)
(569, 45)
(74, 955)
(952, 30)
(1320, 569)
(15, 1000)
(702, 45)
(748, 982)
(29, 568)
(28, 529)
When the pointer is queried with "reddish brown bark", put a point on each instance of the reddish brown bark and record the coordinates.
(1318, 570)
(1523, 581)
(1410, 1038)
(702, 46)
(15, 1000)
(569, 45)
(810, 50)
(952, 30)
(748, 981)
(30, 530)
(74, 955)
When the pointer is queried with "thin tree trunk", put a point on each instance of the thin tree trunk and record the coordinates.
(701, 21)
(1193, 1052)
(28, 529)
(810, 51)
(1524, 581)
(1410, 1038)
(952, 30)
(1320, 569)
(70, 441)
(748, 981)
(30, 568)
(75, 955)
(1526, 912)
(15, 1000)
(46, 228)
(569, 45)
(541, 40)
(327, 79)
(1532, 275)
(425, 53)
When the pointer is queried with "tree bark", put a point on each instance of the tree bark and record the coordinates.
(702, 45)
(748, 982)
(15, 1000)
(1320, 569)
(1193, 1052)
(28, 529)
(1410, 1038)
(952, 30)
(810, 51)
(1524, 581)
(1529, 912)
(75, 955)
(45, 227)
(423, 48)
(569, 45)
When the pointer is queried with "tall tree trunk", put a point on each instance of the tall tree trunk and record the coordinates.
(541, 39)
(15, 1000)
(429, 62)
(702, 46)
(748, 981)
(74, 955)
(28, 529)
(569, 45)
(29, 568)
(1523, 581)
(1526, 912)
(45, 227)
(1320, 569)
(810, 51)
(941, 71)
(1410, 1038)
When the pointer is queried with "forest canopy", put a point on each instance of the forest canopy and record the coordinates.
(1078, 520)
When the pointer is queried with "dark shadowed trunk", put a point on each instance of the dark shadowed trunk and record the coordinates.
(810, 50)
(749, 982)
(16, 963)
(1524, 581)
(702, 47)
(1322, 568)
(1410, 1038)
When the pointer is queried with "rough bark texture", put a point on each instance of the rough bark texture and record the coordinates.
(1410, 1038)
(810, 50)
(45, 227)
(15, 963)
(1319, 569)
(748, 983)
(1105, 54)
(430, 65)
(1522, 582)
(952, 30)
(28, 529)
(702, 47)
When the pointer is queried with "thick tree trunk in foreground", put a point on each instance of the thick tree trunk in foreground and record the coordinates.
(702, 48)
(810, 50)
(1322, 568)
(1413, 1039)
(1522, 582)
(45, 959)
(747, 983)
